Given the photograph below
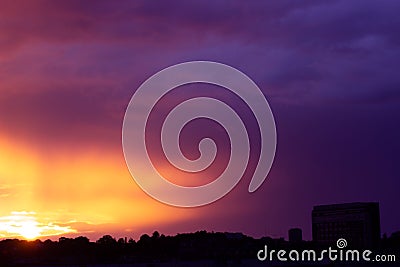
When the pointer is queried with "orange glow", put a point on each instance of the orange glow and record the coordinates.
(73, 193)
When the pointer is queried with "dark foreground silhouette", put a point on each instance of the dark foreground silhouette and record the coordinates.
(194, 249)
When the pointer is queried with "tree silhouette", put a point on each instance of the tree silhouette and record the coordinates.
(107, 240)
(155, 235)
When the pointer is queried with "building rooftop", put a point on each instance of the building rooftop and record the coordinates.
(353, 205)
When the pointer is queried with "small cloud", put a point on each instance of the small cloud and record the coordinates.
(23, 213)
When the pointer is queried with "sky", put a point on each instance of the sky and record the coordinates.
(68, 69)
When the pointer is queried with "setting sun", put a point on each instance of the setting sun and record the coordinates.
(29, 229)
(25, 224)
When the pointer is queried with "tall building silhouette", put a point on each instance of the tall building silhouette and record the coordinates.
(295, 235)
(358, 223)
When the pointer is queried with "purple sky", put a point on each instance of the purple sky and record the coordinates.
(329, 69)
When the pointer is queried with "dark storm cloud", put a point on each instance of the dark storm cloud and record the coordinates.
(320, 48)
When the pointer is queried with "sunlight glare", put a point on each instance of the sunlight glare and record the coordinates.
(25, 224)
